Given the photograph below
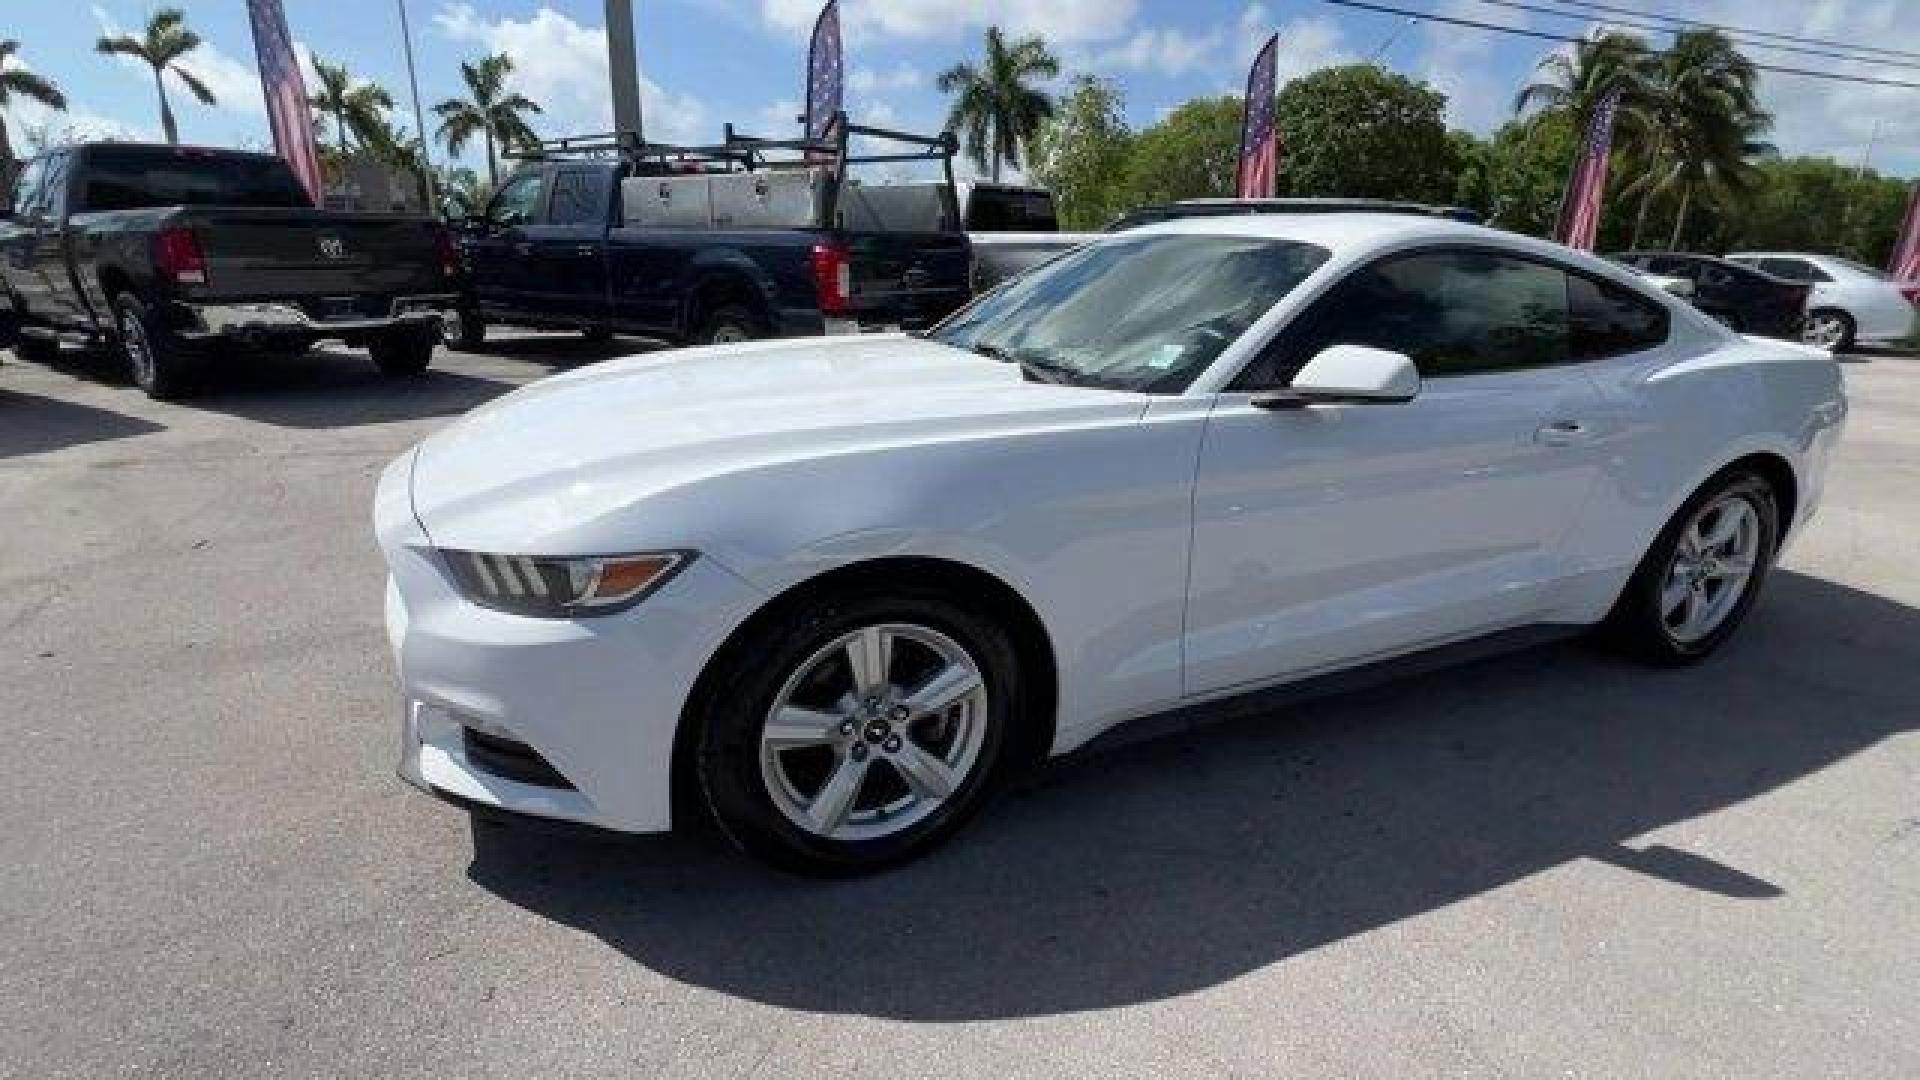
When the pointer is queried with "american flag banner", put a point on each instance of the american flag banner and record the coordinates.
(1259, 166)
(1906, 250)
(1580, 212)
(286, 94)
(824, 80)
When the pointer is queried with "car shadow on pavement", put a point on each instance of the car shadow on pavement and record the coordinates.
(563, 349)
(1165, 867)
(335, 388)
(31, 424)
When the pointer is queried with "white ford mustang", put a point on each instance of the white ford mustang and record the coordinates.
(834, 589)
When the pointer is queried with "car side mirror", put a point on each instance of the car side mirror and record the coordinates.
(1348, 373)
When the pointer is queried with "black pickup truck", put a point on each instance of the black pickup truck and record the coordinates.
(168, 253)
(714, 244)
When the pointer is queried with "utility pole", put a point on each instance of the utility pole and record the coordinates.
(1872, 138)
(623, 69)
(419, 117)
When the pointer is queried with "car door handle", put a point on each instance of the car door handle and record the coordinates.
(1563, 433)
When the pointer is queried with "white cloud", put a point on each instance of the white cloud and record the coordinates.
(902, 76)
(1458, 62)
(1168, 50)
(562, 65)
(1059, 21)
(1228, 48)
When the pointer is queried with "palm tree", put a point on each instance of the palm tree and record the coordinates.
(488, 110)
(166, 40)
(359, 110)
(995, 105)
(1574, 84)
(18, 80)
(1709, 121)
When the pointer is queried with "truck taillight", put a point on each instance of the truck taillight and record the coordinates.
(833, 277)
(1912, 293)
(177, 255)
(448, 250)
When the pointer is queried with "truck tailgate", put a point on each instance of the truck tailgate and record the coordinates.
(300, 253)
(910, 279)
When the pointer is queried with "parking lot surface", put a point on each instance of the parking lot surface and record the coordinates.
(1548, 862)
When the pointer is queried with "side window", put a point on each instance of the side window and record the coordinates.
(518, 203)
(1611, 320)
(1455, 312)
(26, 190)
(579, 198)
(1794, 270)
(1715, 277)
(53, 186)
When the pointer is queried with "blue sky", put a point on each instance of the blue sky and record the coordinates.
(709, 61)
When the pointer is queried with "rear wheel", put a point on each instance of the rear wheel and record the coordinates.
(1702, 574)
(155, 361)
(857, 732)
(464, 329)
(1830, 329)
(730, 323)
(597, 333)
(402, 354)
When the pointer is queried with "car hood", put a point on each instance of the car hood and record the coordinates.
(532, 471)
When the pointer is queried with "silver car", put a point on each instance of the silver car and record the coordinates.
(1852, 303)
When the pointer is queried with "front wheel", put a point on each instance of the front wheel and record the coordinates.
(1702, 574)
(402, 355)
(857, 732)
(730, 323)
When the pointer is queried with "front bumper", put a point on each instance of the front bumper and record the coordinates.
(282, 320)
(599, 700)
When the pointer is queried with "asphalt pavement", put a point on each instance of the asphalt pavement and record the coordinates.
(1548, 862)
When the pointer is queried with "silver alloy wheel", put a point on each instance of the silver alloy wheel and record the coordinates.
(133, 338)
(849, 753)
(730, 334)
(1825, 331)
(453, 330)
(1711, 568)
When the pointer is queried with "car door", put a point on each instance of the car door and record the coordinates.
(1328, 535)
(20, 242)
(498, 251)
(60, 301)
(567, 267)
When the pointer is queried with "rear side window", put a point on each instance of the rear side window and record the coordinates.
(579, 198)
(1794, 269)
(135, 178)
(1612, 320)
(999, 210)
(1455, 312)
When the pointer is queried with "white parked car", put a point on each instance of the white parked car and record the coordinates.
(834, 590)
(1852, 303)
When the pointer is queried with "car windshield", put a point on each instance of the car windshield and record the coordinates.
(1145, 313)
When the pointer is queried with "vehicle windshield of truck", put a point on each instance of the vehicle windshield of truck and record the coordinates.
(136, 178)
(1144, 313)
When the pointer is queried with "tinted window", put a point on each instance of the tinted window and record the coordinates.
(579, 198)
(26, 190)
(1609, 319)
(518, 203)
(1000, 210)
(1145, 313)
(134, 178)
(1793, 269)
(1453, 312)
(53, 186)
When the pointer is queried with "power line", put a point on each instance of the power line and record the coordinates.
(1804, 50)
(1594, 5)
(1542, 35)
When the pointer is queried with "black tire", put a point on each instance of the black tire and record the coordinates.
(467, 330)
(730, 323)
(38, 350)
(1848, 330)
(9, 327)
(597, 333)
(156, 361)
(402, 355)
(1638, 624)
(751, 675)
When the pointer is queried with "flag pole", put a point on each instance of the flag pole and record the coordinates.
(419, 117)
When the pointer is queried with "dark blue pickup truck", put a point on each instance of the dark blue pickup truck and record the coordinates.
(714, 244)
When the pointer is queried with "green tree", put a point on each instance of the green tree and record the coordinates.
(1523, 173)
(1816, 204)
(166, 40)
(996, 108)
(356, 109)
(1189, 154)
(1360, 131)
(488, 110)
(16, 80)
(1573, 84)
(1708, 124)
(1081, 154)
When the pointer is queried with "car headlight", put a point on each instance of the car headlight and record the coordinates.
(546, 588)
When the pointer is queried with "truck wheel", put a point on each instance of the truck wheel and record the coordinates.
(466, 330)
(402, 354)
(154, 360)
(729, 323)
(597, 333)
